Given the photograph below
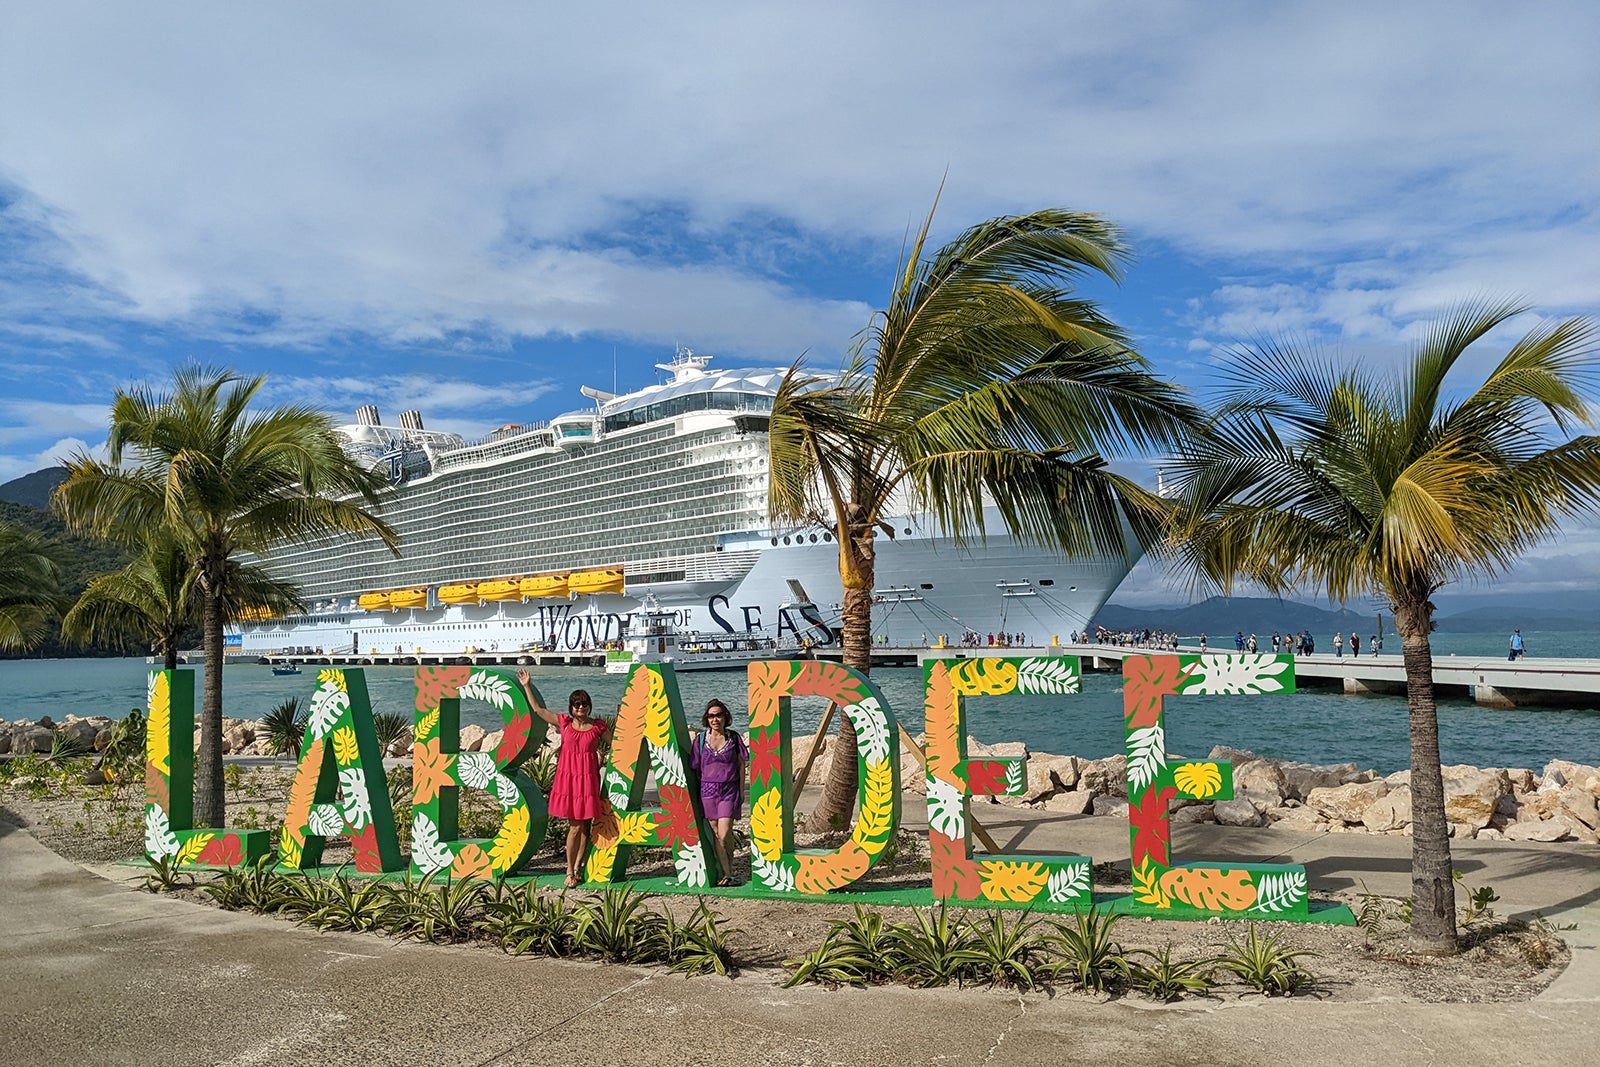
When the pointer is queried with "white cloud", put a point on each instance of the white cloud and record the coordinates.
(16, 466)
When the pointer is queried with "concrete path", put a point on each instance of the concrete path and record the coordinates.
(93, 972)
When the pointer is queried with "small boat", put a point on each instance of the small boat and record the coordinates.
(285, 668)
(604, 580)
(544, 587)
(653, 636)
(408, 598)
(373, 601)
(462, 593)
(499, 589)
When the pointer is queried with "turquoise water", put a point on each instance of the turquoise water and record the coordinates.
(1315, 726)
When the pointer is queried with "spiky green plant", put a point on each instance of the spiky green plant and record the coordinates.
(284, 728)
(1267, 966)
(390, 726)
(349, 904)
(30, 587)
(833, 964)
(424, 911)
(1002, 953)
(165, 875)
(618, 927)
(1165, 978)
(1317, 477)
(526, 920)
(933, 949)
(699, 944)
(1087, 951)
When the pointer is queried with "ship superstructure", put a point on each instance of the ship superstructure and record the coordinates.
(552, 534)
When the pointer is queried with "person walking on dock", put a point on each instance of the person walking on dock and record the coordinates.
(1355, 643)
(1517, 648)
(1338, 644)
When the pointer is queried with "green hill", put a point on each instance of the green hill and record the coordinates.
(82, 558)
(33, 489)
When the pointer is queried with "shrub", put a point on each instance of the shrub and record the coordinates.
(1265, 966)
(1089, 957)
(1167, 979)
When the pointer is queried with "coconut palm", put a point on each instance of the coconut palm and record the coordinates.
(155, 599)
(223, 481)
(30, 584)
(985, 381)
(1353, 483)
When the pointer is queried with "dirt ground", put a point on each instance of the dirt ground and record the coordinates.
(1500, 961)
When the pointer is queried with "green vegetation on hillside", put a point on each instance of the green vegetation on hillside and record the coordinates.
(81, 558)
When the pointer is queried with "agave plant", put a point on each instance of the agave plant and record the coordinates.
(258, 887)
(866, 935)
(618, 927)
(284, 728)
(390, 726)
(1266, 966)
(697, 945)
(1165, 978)
(446, 912)
(1088, 955)
(932, 949)
(1003, 954)
(349, 904)
(833, 963)
(165, 875)
(526, 921)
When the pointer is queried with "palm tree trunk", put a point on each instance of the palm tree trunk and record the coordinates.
(1433, 893)
(839, 791)
(210, 801)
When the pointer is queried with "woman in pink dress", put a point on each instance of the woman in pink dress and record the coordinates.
(575, 793)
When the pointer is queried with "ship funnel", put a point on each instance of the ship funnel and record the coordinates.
(411, 420)
(367, 415)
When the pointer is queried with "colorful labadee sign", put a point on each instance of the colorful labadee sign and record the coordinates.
(169, 830)
(339, 789)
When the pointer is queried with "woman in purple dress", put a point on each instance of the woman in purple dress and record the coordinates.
(719, 756)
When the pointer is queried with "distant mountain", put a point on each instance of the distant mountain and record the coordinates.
(1495, 619)
(1222, 616)
(81, 558)
(33, 489)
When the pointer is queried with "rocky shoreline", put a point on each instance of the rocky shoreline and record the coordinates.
(1558, 803)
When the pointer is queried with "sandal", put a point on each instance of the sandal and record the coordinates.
(724, 881)
(572, 882)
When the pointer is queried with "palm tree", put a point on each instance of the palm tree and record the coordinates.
(222, 481)
(1354, 484)
(985, 380)
(30, 584)
(154, 599)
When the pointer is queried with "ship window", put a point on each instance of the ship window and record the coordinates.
(786, 539)
(813, 538)
(927, 585)
(774, 540)
(827, 537)
(1050, 581)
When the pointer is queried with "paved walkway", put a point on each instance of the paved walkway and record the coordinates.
(92, 972)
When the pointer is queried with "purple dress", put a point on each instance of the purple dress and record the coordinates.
(721, 790)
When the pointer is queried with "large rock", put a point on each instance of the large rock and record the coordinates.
(1106, 777)
(1194, 813)
(1302, 818)
(5, 741)
(1116, 807)
(1578, 804)
(1263, 779)
(472, 737)
(37, 739)
(1564, 772)
(237, 737)
(1003, 750)
(1073, 802)
(1345, 803)
(1547, 830)
(1238, 812)
(80, 731)
(1471, 794)
(1302, 778)
(1392, 811)
(1056, 773)
(1235, 756)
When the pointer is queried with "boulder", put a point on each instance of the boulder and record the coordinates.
(237, 737)
(1262, 779)
(5, 741)
(1489, 833)
(1193, 814)
(1471, 794)
(1073, 802)
(1565, 772)
(472, 737)
(1547, 830)
(491, 741)
(1238, 812)
(1235, 756)
(400, 746)
(80, 731)
(1392, 811)
(1578, 804)
(101, 740)
(1004, 750)
(36, 739)
(1522, 780)
(1116, 807)
(1398, 778)
(1107, 777)
(1302, 818)
(1053, 773)
(1302, 778)
(1345, 803)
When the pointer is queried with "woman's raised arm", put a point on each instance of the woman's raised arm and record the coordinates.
(538, 709)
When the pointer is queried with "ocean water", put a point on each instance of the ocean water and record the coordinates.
(1317, 726)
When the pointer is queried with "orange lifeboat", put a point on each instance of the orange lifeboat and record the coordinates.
(373, 601)
(544, 587)
(499, 589)
(463, 593)
(408, 598)
(604, 580)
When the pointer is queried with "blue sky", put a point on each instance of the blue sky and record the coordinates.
(476, 211)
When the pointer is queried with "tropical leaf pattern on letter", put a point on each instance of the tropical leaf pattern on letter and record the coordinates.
(476, 769)
(668, 765)
(490, 688)
(1054, 674)
(471, 862)
(303, 791)
(1016, 777)
(690, 862)
(1014, 881)
(427, 724)
(766, 825)
(658, 713)
(326, 821)
(430, 771)
(159, 840)
(1068, 883)
(158, 727)
(1198, 780)
(427, 851)
(510, 841)
(942, 713)
(506, 792)
(1221, 673)
(1146, 682)
(328, 703)
(946, 809)
(830, 871)
(872, 729)
(355, 804)
(1280, 891)
(766, 682)
(190, 851)
(1147, 754)
(1147, 885)
(877, 809)
(776, 875)
(439, 683)
(984, 676)
(345, 749)
(1210, 888)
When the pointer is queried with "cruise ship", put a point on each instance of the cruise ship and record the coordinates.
(550, 536)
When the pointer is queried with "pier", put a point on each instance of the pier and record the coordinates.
(588, 657)
(1491, 682)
